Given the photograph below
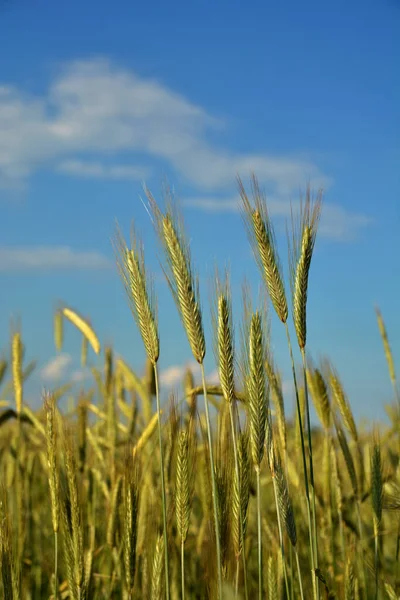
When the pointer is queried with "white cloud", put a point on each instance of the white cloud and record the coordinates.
(56, 368)
(341, 224)
(337, 223)
(96, 108)
(80, 375)
(173, 375)
(100, 171)
(49, 257)
(213, 377)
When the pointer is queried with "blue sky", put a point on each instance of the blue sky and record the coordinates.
(96, 99)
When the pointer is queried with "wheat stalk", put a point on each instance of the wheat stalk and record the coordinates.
(141, 298)
(377, 502)
(185, 290)
(258, 412)
(53, 476)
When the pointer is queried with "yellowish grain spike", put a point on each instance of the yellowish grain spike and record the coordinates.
(83, 327)
(58, 330)
(17, 369)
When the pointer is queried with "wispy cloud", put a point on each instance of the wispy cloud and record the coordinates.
(95, 108)
(337, 223)
(49, 258)
(173, 375)
(101, 171)
(80, 375)
(213, 377)
(56, 368)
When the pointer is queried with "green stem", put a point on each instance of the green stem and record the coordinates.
(291, 572)
(163, 494)
(299, 574)
(213, 485)
(238, 478)
(55, 565)
(237, 578)
(303, 452)
(376, 532)
(311, 462)
(183, 569)
(361, 534)
(257, 468)
(280, 536)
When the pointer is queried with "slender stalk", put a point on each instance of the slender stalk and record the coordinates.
(164, 501)
(303, 452)
(361, 535)
(183, 569)
(299, 574)
(235, 452)
(260, 591)
(291, 572)
(55, 565)
(213, 484)
(281, 537)
(310, 454)
(376, 566)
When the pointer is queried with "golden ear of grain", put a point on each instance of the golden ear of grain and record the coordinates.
(183, 486)
(390, 592)
(139, 289)
(17, 351)
(277, 398)
(112, 525)
(349, 582)
(226, 349)
(134, 383)
(386, 346)
(348, 458)
(262, 239)
(320, 396)
(157, 572)
(257, 390)
(273, 591)
(83, 327)
(184, 286)
(342, 402)
(376, 481)
(241, 494)
(284, 502)
(58, 330)
(146, 434)
(10, 570)
(131, 509)
(301, 288)
(301, 249)
(73, 533)
(53, 473)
